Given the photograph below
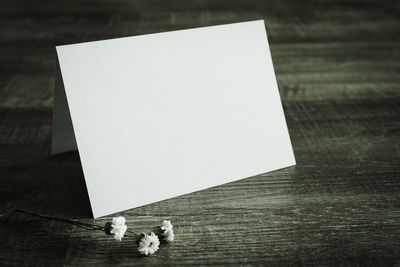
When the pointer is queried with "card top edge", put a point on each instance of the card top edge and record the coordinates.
(158, 33)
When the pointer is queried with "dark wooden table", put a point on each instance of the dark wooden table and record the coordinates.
(337, 65)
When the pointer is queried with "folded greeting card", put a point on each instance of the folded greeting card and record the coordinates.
(160, 115)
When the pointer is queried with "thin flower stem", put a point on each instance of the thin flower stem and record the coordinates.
(80, 224)
(133, 233)
(83, 225)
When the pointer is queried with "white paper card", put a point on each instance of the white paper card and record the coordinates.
(161, 115)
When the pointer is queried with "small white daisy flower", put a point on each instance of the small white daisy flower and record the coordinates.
(166, 225)
(169, 235)
(149, 244)
(118, 227)
(118, 221)
(168, 232)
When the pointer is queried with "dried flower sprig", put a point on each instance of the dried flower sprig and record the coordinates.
(148, 243)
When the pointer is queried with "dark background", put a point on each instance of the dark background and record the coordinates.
(337, 64)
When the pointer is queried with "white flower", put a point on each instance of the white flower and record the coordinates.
(169, 235)
(149, 244)
(168, 232)
(118, 227)
(118, 221)
(166, 225)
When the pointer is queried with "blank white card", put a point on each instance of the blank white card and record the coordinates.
(160, 115)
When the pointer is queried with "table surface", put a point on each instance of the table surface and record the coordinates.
(337, 64)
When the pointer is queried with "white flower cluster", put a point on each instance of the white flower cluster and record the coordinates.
(168, 232)
(148, 244)
(118, 227)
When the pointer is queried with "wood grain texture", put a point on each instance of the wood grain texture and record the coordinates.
(337, 65)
